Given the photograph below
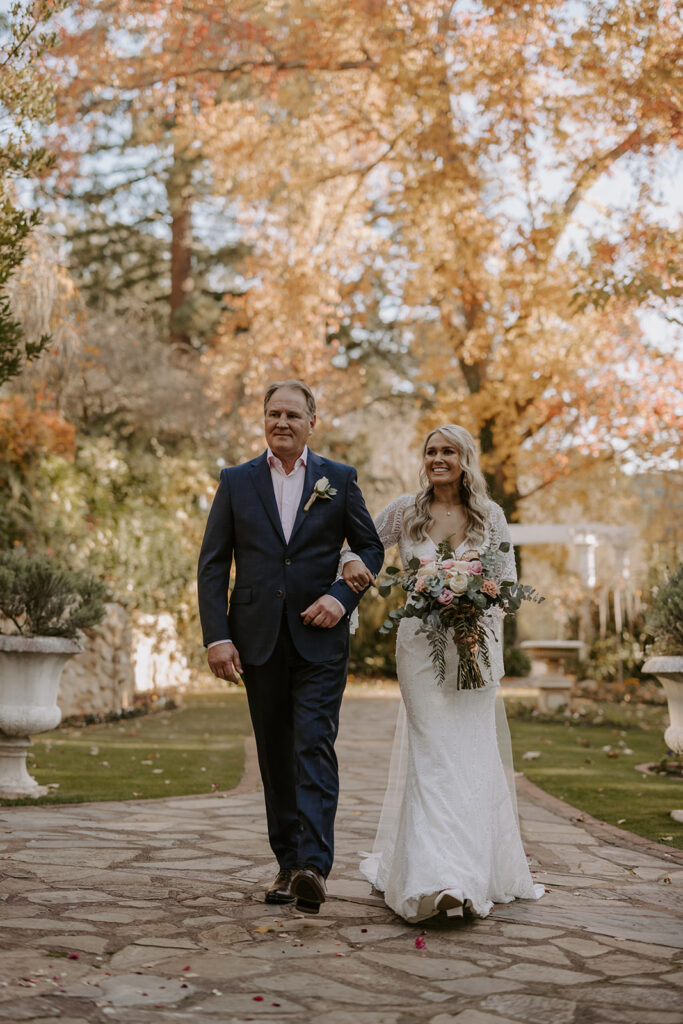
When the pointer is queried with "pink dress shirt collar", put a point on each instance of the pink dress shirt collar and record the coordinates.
(275, 463)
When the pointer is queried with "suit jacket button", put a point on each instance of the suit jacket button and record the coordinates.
(288, 561)
(279, 593)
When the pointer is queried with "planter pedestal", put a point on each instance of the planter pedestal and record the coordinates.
(669, 672)
(30, 670)
(15, 781)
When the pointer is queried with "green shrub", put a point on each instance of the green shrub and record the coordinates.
(517, 663)
(612, 655)
(43, 597)
(665, 618)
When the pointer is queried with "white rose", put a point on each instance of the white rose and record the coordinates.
(457, 582)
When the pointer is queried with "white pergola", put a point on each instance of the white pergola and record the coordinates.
(586, 538)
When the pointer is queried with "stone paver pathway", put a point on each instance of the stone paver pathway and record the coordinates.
(152, 911)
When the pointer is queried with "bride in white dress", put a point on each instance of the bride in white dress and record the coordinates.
(448, 837)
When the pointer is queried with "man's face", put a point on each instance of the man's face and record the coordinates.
(288, 424)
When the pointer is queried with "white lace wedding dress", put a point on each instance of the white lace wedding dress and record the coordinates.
(449, 819)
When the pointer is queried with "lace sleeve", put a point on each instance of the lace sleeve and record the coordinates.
(500, 532)
(388, 525)
(390, 520)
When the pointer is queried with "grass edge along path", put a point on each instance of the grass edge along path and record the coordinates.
(194, 749)
(593, 767)
(199, 748)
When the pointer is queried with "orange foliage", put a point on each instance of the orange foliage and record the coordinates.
(27, 433)
(445, 161)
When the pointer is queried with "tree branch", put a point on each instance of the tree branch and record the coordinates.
(240, 68)
(606, 458)
(592, 168)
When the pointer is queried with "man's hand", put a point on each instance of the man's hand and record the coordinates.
(325, 613)
(357, 576)
(224, 662)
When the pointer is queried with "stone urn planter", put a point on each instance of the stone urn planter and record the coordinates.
(669, 671)
(30, 671)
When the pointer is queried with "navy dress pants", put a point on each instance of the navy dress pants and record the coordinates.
(294, 706)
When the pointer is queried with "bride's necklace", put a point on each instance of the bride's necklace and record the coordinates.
(449, 511)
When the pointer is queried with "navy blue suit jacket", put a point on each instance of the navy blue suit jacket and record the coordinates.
(244, 526)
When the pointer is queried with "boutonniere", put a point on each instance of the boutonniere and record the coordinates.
(321, 489)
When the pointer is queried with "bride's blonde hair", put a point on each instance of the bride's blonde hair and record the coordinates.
(473, 490)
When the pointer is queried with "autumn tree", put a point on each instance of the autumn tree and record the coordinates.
(422, 196)
(470, 162)
(134, 163)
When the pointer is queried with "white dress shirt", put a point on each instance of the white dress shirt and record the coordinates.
(288, 488)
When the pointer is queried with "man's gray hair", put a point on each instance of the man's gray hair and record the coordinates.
(295, 385)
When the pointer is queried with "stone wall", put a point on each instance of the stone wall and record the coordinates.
(158, 660)
(121, 659)
(101, 679)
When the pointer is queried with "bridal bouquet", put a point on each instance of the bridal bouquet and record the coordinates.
(450, 596)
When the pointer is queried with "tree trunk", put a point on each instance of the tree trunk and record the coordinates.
(179, 190)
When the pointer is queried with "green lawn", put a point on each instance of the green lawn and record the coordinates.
(574, 766)
(198, 748)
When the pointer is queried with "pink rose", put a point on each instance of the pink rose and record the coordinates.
(449, 563)
(445, 597)
(490, 587)
(426, 561)
(420, 585)
(474, 568)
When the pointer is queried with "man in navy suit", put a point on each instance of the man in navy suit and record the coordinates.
(283, 518)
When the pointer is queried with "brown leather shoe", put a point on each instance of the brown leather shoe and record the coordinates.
(308, 885)
(281, 889)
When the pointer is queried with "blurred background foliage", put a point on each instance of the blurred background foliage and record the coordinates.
(433, 213)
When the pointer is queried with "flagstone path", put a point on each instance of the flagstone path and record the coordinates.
(152, 911)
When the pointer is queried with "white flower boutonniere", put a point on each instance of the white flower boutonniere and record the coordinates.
(321, 489)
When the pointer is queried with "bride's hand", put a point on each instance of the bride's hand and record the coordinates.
(357, 576)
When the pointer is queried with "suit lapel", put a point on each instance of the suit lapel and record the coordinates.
(314, 470)
(263, 485)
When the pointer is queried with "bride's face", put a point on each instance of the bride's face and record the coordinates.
(442, 462)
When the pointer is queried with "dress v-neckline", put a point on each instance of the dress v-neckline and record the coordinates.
(436, 546)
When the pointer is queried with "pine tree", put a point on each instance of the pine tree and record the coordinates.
(26, 100)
